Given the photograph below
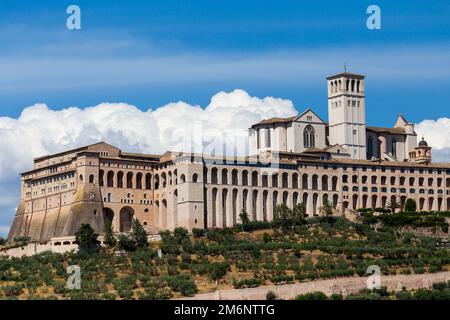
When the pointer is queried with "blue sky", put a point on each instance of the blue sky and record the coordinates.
(406, 62)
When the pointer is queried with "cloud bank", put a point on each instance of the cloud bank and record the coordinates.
(39, 130)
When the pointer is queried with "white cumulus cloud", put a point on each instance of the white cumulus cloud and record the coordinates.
(437, 134)
(40, 130)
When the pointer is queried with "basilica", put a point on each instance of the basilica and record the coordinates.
(300, 159)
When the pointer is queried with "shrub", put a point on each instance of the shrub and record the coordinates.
(312, 296)
(126, 243)
(110, 240)
(270, 295)
(13, 290)
(180, 234)
(183, 284)
(266, 237)
(247, 283)
(2, 241)
(217, 270)
(410, 205)
(198, 232)
(86, 238)
(138, 234)
(439, 286)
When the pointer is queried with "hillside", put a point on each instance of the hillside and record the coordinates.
(266, 253)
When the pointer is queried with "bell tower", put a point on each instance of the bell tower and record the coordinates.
(347, 113)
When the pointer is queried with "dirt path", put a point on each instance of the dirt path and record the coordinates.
(329, 287)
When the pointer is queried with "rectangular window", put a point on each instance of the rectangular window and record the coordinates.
(267, 138)
(257, 139)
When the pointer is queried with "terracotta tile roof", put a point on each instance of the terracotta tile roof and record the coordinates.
(387, 130)
(349, 74)
(315, 150)
(274, 120)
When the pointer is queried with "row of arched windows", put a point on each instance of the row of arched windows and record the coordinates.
(272, 180)
(351, 85)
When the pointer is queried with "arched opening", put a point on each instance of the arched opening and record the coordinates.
(305, 181)
(139, 180)
(275, 180)
(182, 178)
(325, 182)
(265, 196)
(108, 215)
(254, 204)
(430, 204)
(274, 200)
(364, 201)
(325, 198)
(148, 181)
(120, 179)
(224, 207)
(234, 205)
(354, 201)
(130, 180)
(245, 178)
(315, 183)
(91, 178)
(295, 181)
(294, 199)
(383, 202)
(234, 177)
(244, 199)
(255, 178)
(163, 179)
(214, 207)
(305, 200)
(374, 201)
(285, 198)
(284, 180)
(110, 179)
(101, 178)
(195, 177)
(214, 175)
(224, 176)
(335, 201)
(265, 179)
(81, 178)
(126, 219)
(156, 178)
(315, 198)
(164, 214)
(334, 182)
(421, 204)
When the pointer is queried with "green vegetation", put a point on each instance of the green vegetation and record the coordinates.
(108, 233)
(434, 220)
(86, 238)
(410, 205)
(290, 249)
(440, 291)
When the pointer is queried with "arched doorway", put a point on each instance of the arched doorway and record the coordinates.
(126, 217)
(108, 215)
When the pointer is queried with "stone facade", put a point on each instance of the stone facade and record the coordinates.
(98, 182)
